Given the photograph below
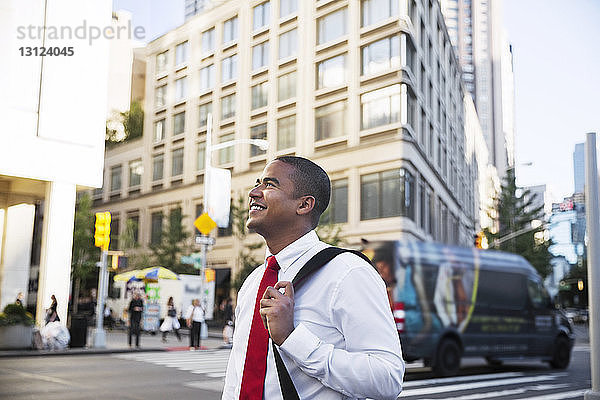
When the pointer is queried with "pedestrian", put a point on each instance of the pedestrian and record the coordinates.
(19, 300)
(336, 335)
(135, 309)
(171, 322)
(195, 318)
(228, 310)
(51, 312)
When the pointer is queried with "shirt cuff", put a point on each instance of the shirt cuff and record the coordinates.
(300, 344)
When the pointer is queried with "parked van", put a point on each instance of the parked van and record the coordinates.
(449, 302)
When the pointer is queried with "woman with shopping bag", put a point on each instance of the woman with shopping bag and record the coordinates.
(171, 322)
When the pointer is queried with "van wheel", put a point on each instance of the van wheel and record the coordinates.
(562, 353)
(447, 359)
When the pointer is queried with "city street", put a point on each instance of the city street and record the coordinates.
(199, 375)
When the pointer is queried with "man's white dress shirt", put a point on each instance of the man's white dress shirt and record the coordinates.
(344, 344)
(195, 313)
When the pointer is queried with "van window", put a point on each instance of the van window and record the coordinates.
(501, 290)
(535, 294)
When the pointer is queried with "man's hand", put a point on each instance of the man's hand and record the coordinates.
(277, 311)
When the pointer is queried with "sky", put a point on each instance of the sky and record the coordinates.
(556, 61)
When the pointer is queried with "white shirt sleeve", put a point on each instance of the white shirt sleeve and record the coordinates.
(371, 363)
(188, 312)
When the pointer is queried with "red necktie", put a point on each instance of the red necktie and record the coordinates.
(255, 367)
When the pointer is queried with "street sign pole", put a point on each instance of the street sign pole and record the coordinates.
(593, 232)
(99, 333)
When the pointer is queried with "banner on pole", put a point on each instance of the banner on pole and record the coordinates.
(219, 196)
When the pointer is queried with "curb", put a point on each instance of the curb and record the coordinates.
(75, 352)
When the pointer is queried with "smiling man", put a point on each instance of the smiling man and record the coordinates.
(336, 334)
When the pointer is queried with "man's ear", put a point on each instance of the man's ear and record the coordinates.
(306, 205)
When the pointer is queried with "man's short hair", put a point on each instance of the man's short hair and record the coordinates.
(309, 180)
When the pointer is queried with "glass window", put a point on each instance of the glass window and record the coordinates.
(423, 206)
(177, 162)
(135, 173)
(258, 132)
(207, 77)
(181, 53)
(159, 130)
(156, 228)
(381, 56)
(114, 234)
(286, 132)
(133, 223)
(228, 106)
(203, 111)
(261, 15)
(161, 63)
(115, 178)
(331, 72)
(160, 96)
(230, 30)
(201, 156)
(430, 201)
(380, 107)
(286, 7)
(330, 120)
(208, 41)
(332, 26)
(180, 89)
(337, 212)
(286, 86)
(260, 55)
(377, 10)
(260, 95)
(179, 123)
(387, 194)
(413, 109)
(157, 167)
(226, 154)
(492, 291)
(229, 68)
(288, 43)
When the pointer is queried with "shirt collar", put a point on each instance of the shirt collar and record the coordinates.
(293, 251)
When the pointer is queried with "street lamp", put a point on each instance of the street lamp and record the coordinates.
(261, 143)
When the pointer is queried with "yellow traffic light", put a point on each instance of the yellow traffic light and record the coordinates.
(580, 284)
(102, 233)
(115, 262)
(481, 241)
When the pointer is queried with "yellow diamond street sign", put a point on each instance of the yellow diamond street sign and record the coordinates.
(205, 224)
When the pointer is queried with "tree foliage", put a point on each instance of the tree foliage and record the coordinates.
(125, 126)
(174, 242)
(84, 254)
(328, 231)
(136, 257)
(515, 210)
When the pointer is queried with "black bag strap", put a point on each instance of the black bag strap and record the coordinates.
(288, 390)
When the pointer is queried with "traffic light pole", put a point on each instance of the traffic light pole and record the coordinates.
(592, 203)
(99, 333)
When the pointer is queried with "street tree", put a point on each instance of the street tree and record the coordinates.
(85, 254)
(174, 242)
(137, 258)
(514, 211)
(125, 126)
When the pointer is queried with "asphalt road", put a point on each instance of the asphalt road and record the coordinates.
(199, 376)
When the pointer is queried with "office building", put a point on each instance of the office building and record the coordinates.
(485, 57)
(579, 168)
(370, 90)
(46, 152)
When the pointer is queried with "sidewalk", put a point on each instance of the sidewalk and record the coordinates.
(116, 342)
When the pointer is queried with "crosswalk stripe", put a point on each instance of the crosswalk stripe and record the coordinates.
(476, 385)
(509, 392)
(437, 381)
(558, 396)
